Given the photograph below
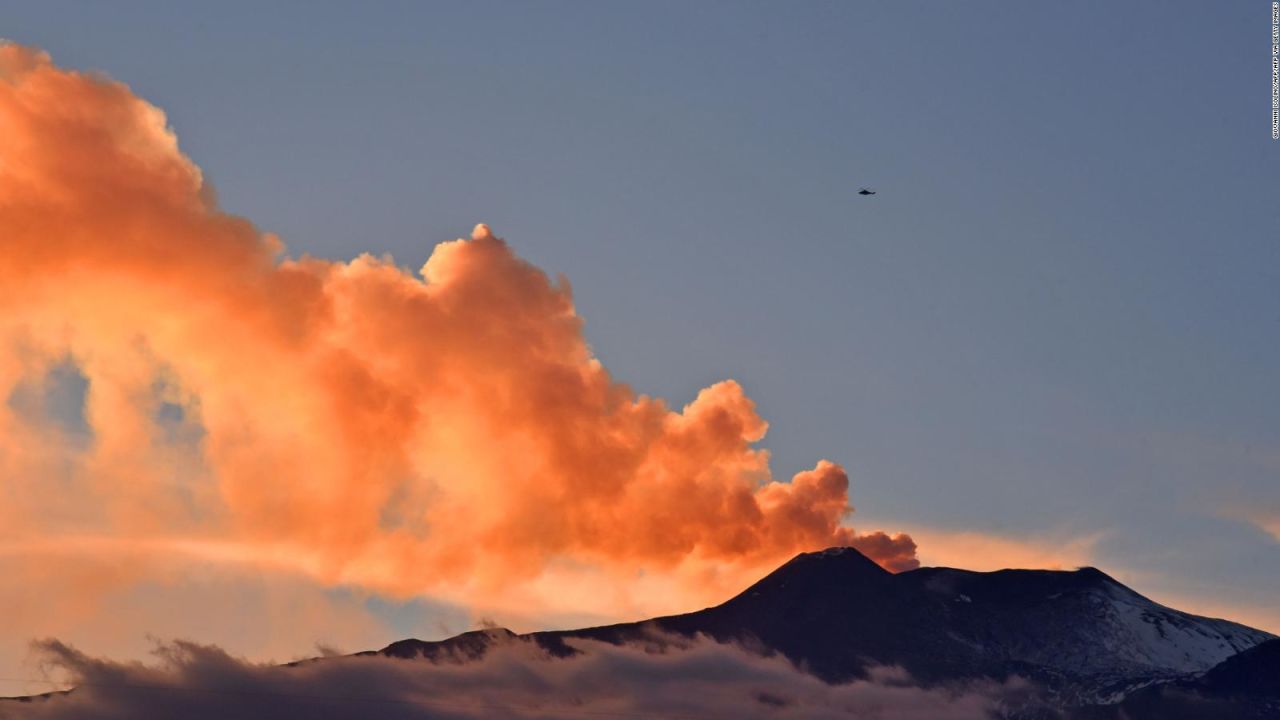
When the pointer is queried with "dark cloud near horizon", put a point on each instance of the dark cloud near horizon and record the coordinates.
(691, 679)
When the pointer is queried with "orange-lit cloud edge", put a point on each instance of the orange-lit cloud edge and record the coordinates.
(448, 433)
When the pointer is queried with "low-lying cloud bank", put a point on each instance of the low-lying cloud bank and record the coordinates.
(694, 679)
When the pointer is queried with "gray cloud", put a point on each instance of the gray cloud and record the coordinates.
(691, 679)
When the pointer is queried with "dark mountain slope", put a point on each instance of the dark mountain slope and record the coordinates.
(1245, 686)
(1082, 635)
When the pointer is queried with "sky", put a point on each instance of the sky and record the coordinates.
(1051, 338)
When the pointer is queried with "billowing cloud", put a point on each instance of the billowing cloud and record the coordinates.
(696, 679)
(446, 432)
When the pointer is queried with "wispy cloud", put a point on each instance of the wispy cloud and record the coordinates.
(984, 551)
(1265, 517)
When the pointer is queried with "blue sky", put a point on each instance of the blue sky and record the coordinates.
(1060, 316)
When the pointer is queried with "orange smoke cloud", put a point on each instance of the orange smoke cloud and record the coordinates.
(448, 433)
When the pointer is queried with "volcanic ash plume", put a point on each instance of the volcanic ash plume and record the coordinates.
(446, 433)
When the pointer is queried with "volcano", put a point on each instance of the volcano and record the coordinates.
(1084, 638)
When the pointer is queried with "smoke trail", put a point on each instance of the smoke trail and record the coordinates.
(447, 432)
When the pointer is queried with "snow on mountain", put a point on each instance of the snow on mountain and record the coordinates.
(1149, 634)
(1082, 622)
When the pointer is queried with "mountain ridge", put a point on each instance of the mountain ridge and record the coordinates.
(1080, 634)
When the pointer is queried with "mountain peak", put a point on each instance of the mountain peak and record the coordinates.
(820, 573)
(840, 559)
(467, 646)
(1093, 573)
